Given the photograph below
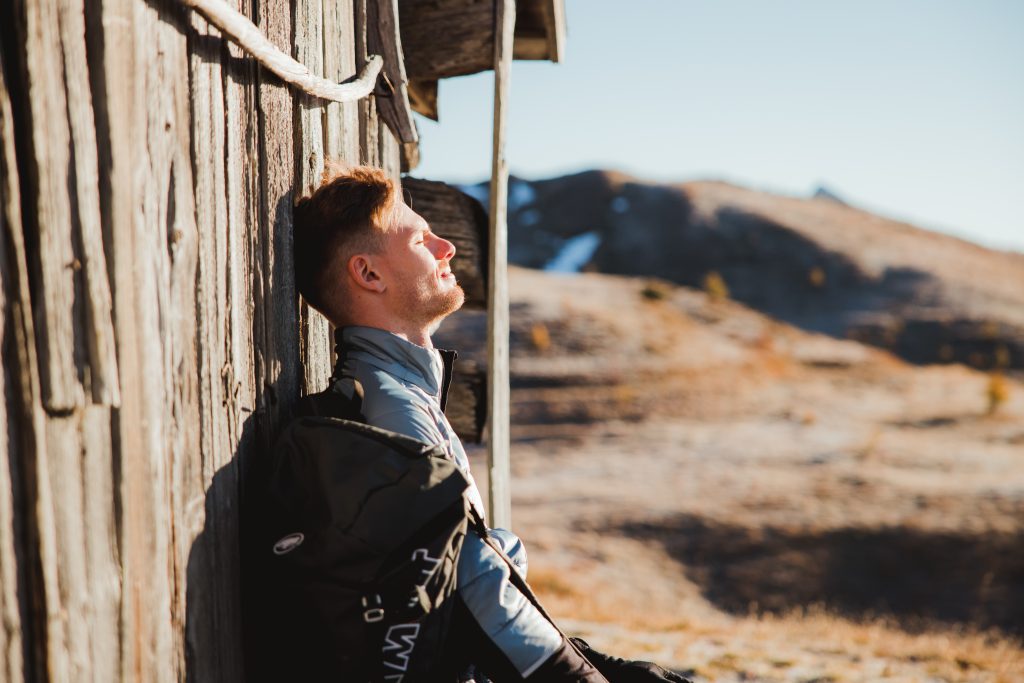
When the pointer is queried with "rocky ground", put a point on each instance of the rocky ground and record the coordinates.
(703, 486)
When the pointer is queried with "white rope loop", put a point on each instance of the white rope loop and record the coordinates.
(241, 30)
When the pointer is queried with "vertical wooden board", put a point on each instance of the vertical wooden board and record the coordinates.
(369, 122)
(390, 153)
(369, 133)
(156, 259)
(11, 629)
(145, 642)
(50, 144)
(309, 50)
(208, 600)
(276, 317)
(10, 614)
(340, 63)
(242, 166)
(11, 633)
(63, 470)
(98, 329)
(103, 569)
(78, 475)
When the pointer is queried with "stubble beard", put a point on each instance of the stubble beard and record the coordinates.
(428, 306)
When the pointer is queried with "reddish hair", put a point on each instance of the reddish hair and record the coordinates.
(346, 215)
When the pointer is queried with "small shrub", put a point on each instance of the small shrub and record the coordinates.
(540, 337)
(655, 291)
(998, 391)
(714, 286)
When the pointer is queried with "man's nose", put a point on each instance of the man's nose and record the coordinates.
(443, 249)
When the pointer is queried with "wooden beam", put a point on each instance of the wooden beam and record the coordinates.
(499, 494)
(384, 38)
(445, 38)
(423, 97)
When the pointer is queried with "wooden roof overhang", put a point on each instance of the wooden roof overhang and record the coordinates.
(446, 38)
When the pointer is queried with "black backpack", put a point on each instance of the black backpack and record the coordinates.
(367, 528)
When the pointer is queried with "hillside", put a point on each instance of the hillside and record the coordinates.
(816, 263)
(731, 495)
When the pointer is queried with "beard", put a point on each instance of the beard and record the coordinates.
(423, 302)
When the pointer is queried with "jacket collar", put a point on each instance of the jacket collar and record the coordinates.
(429, 369)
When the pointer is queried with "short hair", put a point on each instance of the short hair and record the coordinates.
(345, 216)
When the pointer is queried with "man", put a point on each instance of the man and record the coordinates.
(374, 268)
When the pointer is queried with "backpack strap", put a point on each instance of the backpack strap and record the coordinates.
(334, 402)
(343, 397)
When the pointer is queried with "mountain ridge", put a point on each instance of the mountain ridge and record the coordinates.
(814, 262)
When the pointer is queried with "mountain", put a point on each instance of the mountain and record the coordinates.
(816, 263)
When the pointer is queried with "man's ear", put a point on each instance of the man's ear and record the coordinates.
(361, 270)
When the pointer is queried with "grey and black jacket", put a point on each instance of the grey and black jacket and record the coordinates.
(404, 390)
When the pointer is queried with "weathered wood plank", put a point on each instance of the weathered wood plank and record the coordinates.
(12, 570)
(445, 39)
(458, 217)
(315, 346)
(276, 316)
(423, 97)
(154, 256)
(63, 476)
(341, 133)
(99, 330)
(99, 528)
(390, 153)
(206, 537)
(499, 493)
(456, 37)
(369, 124)
(52, 218)
(384, 38)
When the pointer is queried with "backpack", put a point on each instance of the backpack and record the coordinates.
(368, 525)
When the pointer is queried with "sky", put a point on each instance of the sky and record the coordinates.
(913, 109)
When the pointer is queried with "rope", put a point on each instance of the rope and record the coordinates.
(238, 28)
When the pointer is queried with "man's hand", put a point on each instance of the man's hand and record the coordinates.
(619, 670)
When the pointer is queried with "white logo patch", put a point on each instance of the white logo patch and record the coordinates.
(288, 543)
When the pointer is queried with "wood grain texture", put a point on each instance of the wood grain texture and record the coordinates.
(98, 327)
(384, 38)
(55, 263)
(242, 31)
(316, 351)
(12, 541)
(423, 97)
(445, 39)
(165, 347)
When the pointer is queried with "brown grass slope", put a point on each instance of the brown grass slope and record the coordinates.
(701, 484)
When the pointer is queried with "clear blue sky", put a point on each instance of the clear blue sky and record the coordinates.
(911, 108)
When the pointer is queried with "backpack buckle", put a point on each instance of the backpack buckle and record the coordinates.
(373, 614)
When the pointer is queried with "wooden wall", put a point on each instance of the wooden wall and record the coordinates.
(152, 338)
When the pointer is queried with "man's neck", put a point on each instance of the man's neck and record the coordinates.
(418, 337)
(411, 333)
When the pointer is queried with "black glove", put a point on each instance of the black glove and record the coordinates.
(619, 670)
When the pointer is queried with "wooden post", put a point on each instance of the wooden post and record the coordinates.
(499, 498)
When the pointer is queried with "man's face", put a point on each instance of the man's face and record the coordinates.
(421, 288)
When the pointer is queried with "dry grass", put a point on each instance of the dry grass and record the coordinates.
(802, 645)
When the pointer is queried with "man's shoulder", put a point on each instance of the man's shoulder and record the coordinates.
(392, 404)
